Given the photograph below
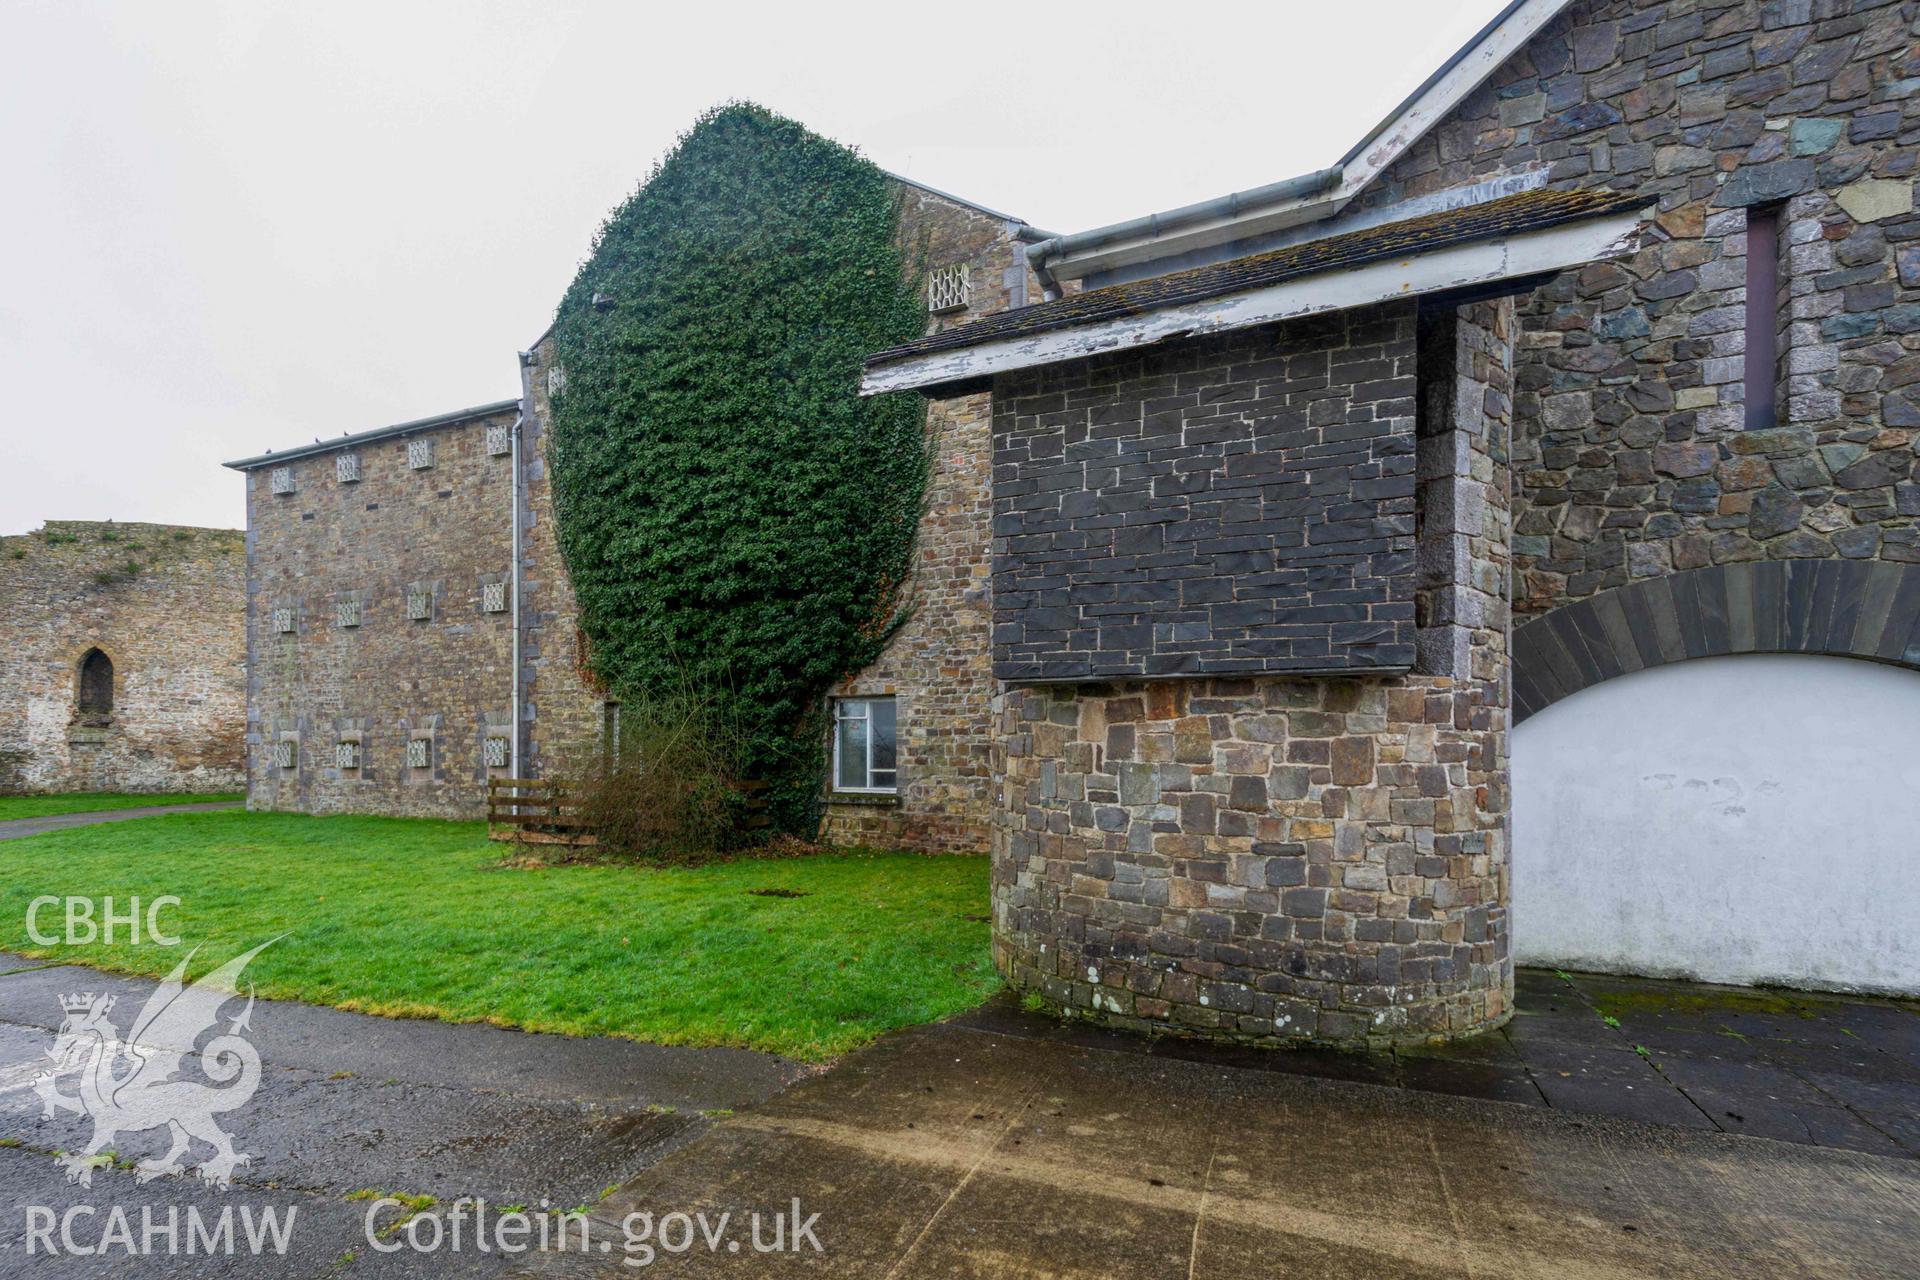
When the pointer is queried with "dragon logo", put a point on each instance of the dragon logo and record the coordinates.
(128, 1086)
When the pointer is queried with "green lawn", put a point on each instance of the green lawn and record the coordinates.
(411, 918)
(93, 801)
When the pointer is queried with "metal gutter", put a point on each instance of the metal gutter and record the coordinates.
(1233, 205)
(514, 575)
(367, 437)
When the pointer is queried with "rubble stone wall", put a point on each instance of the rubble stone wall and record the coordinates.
(167, 606)
(1632, 450)
(343, 560)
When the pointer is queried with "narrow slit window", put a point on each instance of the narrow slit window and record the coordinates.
(1763, 316)
(865, 752)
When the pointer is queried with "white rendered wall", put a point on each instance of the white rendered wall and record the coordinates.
(1739, 819)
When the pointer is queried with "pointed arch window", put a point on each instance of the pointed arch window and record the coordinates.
(96, 684)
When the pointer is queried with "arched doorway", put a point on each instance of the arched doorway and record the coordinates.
(1747, 818)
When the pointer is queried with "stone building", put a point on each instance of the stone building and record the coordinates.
(124, 664)
(1502, 543)
(1637, 479)
(400, 653)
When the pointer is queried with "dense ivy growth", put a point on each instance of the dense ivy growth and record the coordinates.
(729, 509)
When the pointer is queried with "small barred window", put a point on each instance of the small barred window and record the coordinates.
(419, 752)
(281, 480)
(283, 620)
(499, 440)
(493, 597)
(947, 289)
(286, 753)
(419, 454)
(346, 754)
(346, 467)
(346, 613)
(419, 605)
(556, 380)
(496, 754)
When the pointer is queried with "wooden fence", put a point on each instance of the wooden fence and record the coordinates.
(534, 811)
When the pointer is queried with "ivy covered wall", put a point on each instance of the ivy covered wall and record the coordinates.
(729, 509)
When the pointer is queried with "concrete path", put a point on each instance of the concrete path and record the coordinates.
(956, 1151)
(348, 1102)
(15, 828)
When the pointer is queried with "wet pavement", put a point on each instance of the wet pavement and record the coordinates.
(1826, 1070)
(348, 1103)
(1004, 1143)
(960, 1150)
(16, 828)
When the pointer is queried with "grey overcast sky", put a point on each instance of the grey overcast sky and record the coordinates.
(228, 227)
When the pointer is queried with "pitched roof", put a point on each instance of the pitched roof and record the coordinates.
(1527, 211)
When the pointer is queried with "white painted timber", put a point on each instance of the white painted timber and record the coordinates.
(1481, 262)
(1751, 819)
(1388, 143)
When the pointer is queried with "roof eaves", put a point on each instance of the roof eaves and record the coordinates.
(455, 418)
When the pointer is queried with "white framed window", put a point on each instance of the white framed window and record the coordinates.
(346, 612)
(947, 289)
(346, 467)
(286, 753)
(493, 597)
(419, 752)
(499, 440)
(280, 480)
(496, 753)
(346, 754)
(283, 620)
(419, 603)
(865, 755)
(419, 454)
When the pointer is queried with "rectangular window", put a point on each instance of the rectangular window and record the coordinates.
(496, 753)
(493, 597)
(1763, 315)
(419, 454)
(419, 752)
(499, 440)
(283, 620)
(286, 753)
(346, 613)
(346, 754)
(280, 479)
(346, 468)
(419, 604)
(864, 754)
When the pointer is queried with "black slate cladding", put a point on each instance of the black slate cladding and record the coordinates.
(1236, 504)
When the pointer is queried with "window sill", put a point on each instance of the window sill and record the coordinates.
(878, 799)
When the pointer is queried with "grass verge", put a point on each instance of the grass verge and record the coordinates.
(413, 918)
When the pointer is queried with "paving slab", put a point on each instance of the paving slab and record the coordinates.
(959, 1150)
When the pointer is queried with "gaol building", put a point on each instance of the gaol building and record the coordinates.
(1498, 544)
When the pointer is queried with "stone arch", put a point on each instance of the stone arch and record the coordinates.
(1843, 608)
(94, 676)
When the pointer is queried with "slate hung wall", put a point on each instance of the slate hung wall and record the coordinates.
(1235, 506)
